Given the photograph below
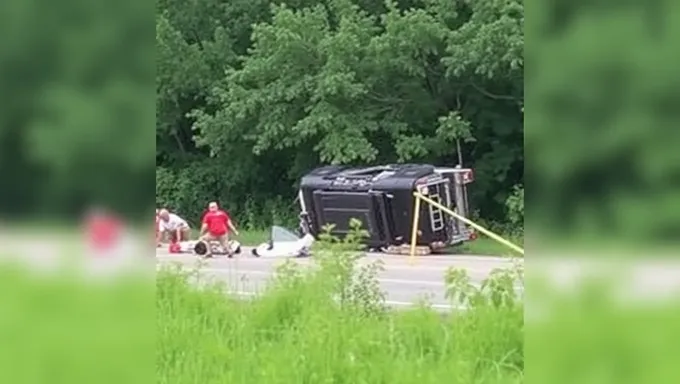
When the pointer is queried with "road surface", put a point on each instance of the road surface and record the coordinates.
(645, 279)
(403, 282)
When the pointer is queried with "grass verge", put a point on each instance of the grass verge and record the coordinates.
(60, 327)
(485, 246)
(330, 325)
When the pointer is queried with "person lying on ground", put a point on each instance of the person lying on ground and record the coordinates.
(173, 226)
(215, 226)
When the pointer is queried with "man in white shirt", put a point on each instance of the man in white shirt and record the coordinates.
(176, 227)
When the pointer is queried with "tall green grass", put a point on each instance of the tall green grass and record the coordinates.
(64, 327)
(329, 324)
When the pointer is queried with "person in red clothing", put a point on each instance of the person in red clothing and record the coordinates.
(104, 230)
(216, 225)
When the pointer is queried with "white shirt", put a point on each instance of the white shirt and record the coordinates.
(174, 223)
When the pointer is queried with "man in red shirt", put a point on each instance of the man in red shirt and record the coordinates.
(104, 230)
(216, 225)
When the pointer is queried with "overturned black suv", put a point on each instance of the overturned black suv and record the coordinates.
(382, 198)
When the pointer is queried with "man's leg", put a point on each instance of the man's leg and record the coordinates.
(185, 234)
(224, 242)
(208, 238)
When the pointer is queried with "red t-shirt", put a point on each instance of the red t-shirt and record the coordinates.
(103, 231)
(217, 222)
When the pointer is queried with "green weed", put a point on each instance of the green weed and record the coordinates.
(329, 324)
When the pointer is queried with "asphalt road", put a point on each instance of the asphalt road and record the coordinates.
(402, 281)
(646, 280)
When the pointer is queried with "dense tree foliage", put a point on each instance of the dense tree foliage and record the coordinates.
(252, 94)
(76, 107)
(601, 128)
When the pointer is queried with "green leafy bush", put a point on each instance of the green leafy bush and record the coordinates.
(515, 207)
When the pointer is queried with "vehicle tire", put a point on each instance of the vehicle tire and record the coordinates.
(201, 248)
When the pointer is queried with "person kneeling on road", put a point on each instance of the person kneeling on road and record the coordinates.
(174, 226)
(216, 225)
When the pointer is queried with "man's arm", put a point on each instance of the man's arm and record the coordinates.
(204, 225)
(232, 227)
